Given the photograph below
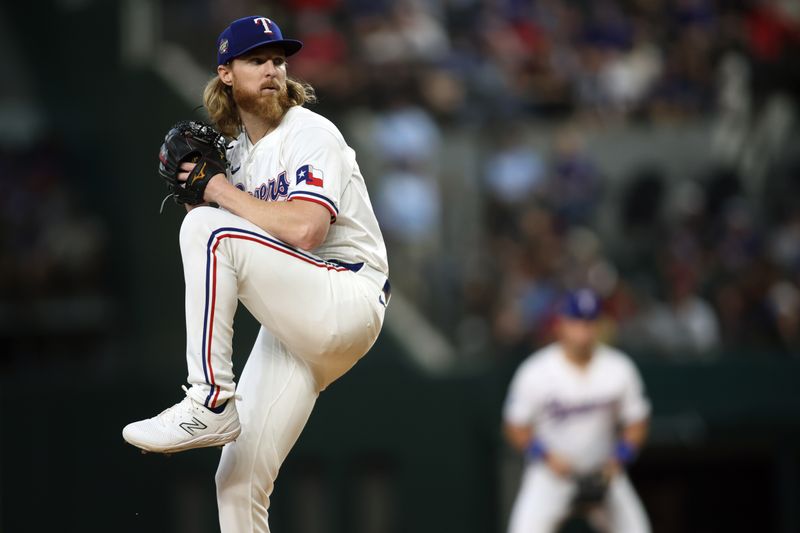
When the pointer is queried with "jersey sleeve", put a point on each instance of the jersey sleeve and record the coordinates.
(316, 168)
(521, 406)
(634, 405)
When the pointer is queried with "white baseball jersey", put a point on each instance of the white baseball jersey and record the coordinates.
(306, 158)
(575, 412)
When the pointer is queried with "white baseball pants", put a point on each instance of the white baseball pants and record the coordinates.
(318, 319)
(544, 498)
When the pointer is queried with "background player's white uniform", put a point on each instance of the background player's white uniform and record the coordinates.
(575, 413)
(319, 312)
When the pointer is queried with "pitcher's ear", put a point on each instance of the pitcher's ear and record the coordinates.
(225, 74)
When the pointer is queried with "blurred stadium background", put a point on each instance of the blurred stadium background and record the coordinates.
(648, 148)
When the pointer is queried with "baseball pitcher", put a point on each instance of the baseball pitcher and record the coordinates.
(281, 221)
(576, 409)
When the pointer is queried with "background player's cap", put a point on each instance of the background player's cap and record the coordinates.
(582, 304)
(251, 32)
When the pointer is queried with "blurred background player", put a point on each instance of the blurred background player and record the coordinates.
(576, 409)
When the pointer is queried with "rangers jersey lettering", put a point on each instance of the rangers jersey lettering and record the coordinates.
(575, 411)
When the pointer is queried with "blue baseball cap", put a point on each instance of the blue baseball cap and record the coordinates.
(251, 32)
(582, 304)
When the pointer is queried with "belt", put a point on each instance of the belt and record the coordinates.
(366, 269)
(355, 267)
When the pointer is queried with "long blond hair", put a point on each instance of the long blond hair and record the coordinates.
(221, 107)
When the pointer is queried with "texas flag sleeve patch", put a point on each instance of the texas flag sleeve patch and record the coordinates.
(309, 175)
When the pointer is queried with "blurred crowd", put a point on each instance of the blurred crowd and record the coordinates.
(713, 273)
(493, 59)
(485, 226)
(439, 95)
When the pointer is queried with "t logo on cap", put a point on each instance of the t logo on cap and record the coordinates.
(264, 21)
(246, 34)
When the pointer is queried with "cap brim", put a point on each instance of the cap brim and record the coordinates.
(290, 46)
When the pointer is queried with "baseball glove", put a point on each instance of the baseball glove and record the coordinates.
(193, 142)
(591, 489)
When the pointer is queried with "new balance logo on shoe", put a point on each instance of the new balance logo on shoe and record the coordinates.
(184, 426)
(191, 427)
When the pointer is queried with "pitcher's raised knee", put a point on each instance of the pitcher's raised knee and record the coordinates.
(199, 223)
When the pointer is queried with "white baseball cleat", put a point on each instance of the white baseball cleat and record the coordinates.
(184, 426)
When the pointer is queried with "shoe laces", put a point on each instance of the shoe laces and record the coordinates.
(168, 414)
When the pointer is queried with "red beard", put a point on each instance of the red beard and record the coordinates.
(271, 106)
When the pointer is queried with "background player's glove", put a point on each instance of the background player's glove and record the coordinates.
(193, 142)
(591, 489)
